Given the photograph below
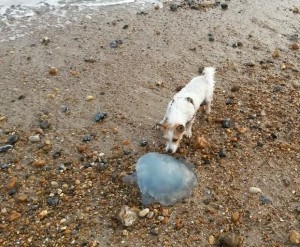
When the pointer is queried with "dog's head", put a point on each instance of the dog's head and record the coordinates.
(173, 134)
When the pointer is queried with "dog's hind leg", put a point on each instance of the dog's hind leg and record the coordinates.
(189, 125)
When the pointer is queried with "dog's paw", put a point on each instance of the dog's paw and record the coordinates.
(188, 134)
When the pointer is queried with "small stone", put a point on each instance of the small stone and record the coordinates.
(45, 41)
(64, 109)
(224, 6)
(116, 43)
(276, 53)
(127, 216)
(298, 209)
(100, 116)
(13, 216)
(283, 66)
(53, 71)
(5, 148)
(230, 240)
(35, 138)
(45, 125)
(235, 88)
(11, 183)
(211, 240)
(222, 154)
(254, 190)
(87, 138)
(56, 154)
(202, 142)
(12, 191)
(12, 139)
(144, 212)
(54, 184)
(144, 143)
(211, 38)
(39, 163)
(150, 215)
(242, 130)
(265, 200)
(179, 224)
(235, 216)
(21, 198)
(173, 7)
(90, 60)
(125, 233)
(50, 95)
(89, 98)
(43, 214)
(226, 123)
(250, 64)
(295, 46)
(154, 231)
(5, 166)
(125, 26)
(294, 237)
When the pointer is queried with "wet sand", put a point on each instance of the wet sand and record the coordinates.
(64, 191)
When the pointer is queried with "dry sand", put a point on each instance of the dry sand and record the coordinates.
(61, 191)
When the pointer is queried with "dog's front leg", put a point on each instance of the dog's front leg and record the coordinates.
(189, 125)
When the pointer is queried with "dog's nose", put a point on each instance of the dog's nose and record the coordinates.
(170, 151)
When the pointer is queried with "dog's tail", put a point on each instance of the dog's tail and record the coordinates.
(209, 73)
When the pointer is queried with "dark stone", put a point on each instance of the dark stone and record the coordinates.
(252, 116)
(173, 7)
(211, 38)
(250, 64)
(87, 138)
(154, 231)
(125, 26)
(298, 209)
(90, 60)
(100, 116)
(45, 125)
(56, 154)
(274, 135)
(277, 88)
(21, 97)
(224, 5)
(12, 139)
(142, 13)
(226, 123)
(265, 200)
(101, 166)
(12, 191)
(5, 148)
(52, 201)
(229, 102)
(116, 43)
(87, 165)
(62, 167)
(144, 143)
(200, 70)
(64, 109)
(5, 166)
(229, 240)
(126, 152)
(222, 154)
(237, 44)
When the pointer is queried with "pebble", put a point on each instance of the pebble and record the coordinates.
(265, 200)
(230, 240)
(13, 216)
(54, 184)
(12, 139)
(144, 143)
(242, 130)
(150, 215)
(173, 7)
(202, 142)
(90, 60)
(56, 154)
(254, 190)
(179, 224)
(127, 216)
(250, 64)
(211, 239)
(12, 191)
(224, 5)
(144, 212)
(11, 183)
(89, 98)
(222, 154)
(295, 46)
(87, 138)
(45, 40)
(276, 53)
(125, 233)
(35, 138)
(115, 43)
(298, 209)
(294, 237)
(64, 109)
(5, 148)
(39, 163)
(100, 116)
(225, 123)
(235, 216)
(5, 166)
(43, 214)
(22, 198)
(44, 125)
(53, 71)
(154, 231)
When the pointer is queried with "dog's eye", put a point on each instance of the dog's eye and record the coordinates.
(174, 140)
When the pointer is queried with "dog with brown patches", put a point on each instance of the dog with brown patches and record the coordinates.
(181, 110)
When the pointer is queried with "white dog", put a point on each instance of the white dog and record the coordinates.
(181, 111)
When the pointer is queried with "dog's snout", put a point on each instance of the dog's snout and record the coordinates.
(170, 150)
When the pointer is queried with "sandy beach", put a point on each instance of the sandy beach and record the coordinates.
(62, 172)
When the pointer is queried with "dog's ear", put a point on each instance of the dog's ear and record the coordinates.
(180, 128)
